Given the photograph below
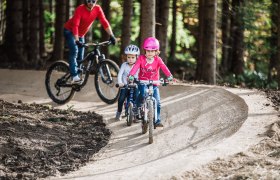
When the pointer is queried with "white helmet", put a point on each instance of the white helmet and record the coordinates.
(132, 49)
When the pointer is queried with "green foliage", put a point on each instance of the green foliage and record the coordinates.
(49, 21)
(250, 79)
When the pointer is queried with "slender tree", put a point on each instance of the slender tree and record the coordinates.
(162, 14)
(60, 10)
(34, 50)
(237, 37)
(278, 44)
(225, 65)
(174, 31)
(273, 38)
(126, 26)
(42, 29)
(209, 42)
(104, 34)
(13, 41)
(147, 19)
(200, 45)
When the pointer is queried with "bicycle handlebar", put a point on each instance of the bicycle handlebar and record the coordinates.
(161, 81)
(104, 43)
(127, 85)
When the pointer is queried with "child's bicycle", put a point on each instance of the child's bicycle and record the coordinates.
(148, 110)
(58, 78)
(130, 104)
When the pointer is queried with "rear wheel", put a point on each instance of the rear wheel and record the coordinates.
(58, 82)
(106, 78)
(130, 114)
(151, 120)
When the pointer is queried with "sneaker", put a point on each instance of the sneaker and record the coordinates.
(118, 116)
(158, 125)
(76, 80)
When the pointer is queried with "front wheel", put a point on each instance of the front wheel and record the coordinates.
(151, 120)
(130, 114)
(58, 82)
(106, 78)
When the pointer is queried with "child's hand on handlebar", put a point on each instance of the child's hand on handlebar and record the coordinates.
(170, 78)
(130, 78)
(121, 85)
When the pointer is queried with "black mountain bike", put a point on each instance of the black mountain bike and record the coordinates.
(58, 79)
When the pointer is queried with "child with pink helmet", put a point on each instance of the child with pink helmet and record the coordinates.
(149, 65)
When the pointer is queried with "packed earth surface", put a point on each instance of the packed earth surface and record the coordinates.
(81, 140)
(38, 141)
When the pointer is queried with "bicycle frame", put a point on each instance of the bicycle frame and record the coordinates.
(93, 57)
(130, 97)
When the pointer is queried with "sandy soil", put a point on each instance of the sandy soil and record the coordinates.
(209, 132)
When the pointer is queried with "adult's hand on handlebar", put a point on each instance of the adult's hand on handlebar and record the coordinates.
(113, 39)
(79, 44)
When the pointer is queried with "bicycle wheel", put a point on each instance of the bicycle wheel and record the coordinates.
(151, 120)
(106, 78)
(130, 114)
(58, 82)
(145, 119)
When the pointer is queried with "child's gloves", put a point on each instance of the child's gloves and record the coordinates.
(131, 78)
(170, 78)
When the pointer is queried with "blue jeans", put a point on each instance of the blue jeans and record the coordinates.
(142, 89)
(75, 53)
(124, 94)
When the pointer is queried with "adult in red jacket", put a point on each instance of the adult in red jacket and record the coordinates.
(76, 28)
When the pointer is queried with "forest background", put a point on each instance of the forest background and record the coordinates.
(231, 42)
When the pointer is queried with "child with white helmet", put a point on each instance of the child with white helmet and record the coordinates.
(150, 64)
(131, 52)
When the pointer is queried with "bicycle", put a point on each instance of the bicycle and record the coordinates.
(148, 110)
(130, 103)
(58, 78)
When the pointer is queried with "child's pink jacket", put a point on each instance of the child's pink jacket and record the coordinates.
(149, 71)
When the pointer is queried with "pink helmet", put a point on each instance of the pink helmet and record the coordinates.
(151, 43)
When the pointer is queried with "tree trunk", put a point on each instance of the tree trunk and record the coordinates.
(278, 45)
(174, 31)
(79, 2)
(34, 50)
(162, 27)
(225, 65)
(209, 42)
(237, 37)
(60, 10)
(26, 25)
(201, 26)
(147, 19)
(273, 39)
(126, 26)
(13, 43)
(2, 21)
(42, 30)
(104, 34)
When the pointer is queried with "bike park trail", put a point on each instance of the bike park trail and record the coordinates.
(201, 123)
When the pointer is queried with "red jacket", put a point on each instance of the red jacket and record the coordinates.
(82, 19)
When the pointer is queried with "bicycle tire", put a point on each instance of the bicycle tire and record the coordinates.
(59, 72)
(151, 120)
(130, 114)
(104, 85)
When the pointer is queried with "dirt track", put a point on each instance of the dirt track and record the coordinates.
(201, 124)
